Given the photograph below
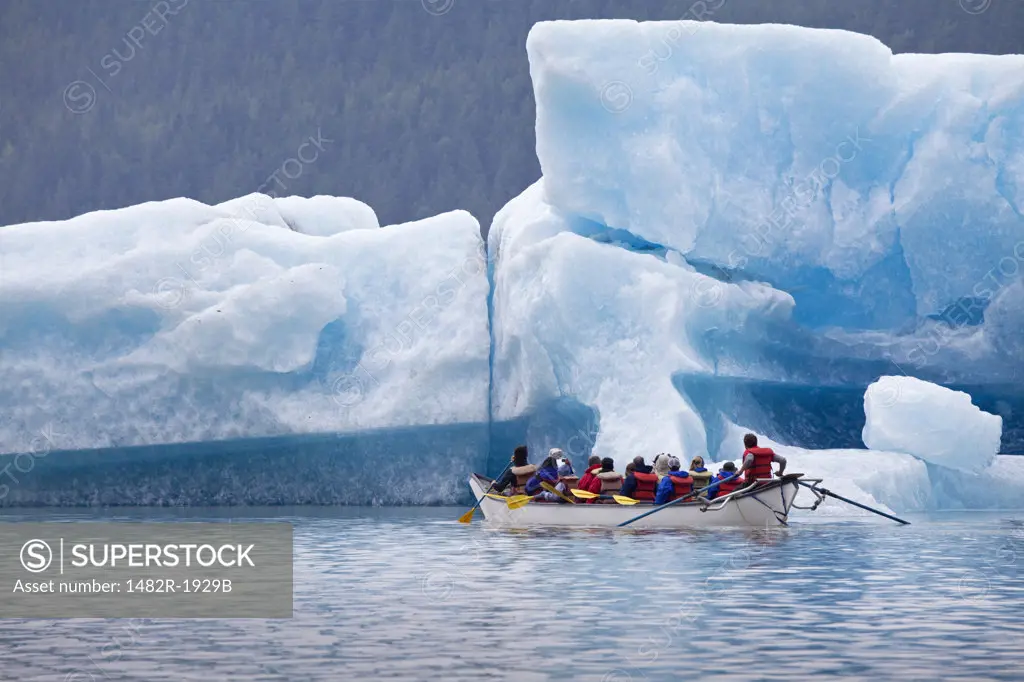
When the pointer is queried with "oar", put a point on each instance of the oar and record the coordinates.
(676, 501)
(587, 495)
(825, 491)
(517, 501)
(551, 489)
(468, 516)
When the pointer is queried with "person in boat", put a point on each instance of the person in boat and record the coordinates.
(639, 484)
(676, 483)
(567, 475)
(607, 481)
(629, 480)
(593, 466)
(757, 462)
(548, 472)
(518, 474)
(641, 465)
(722, 485)
(701, 476)
(661, 464)
(567, 480)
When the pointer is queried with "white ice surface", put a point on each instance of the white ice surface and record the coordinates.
(931, 422)
(175, 321)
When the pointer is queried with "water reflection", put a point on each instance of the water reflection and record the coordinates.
(410, 594)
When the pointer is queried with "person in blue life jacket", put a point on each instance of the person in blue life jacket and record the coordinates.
(721, 487)
(675, 485)
(548, 471)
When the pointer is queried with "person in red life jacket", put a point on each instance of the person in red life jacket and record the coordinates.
(639, 484)
(676, 483)
(721, 485)
(593, 466)
(607, 481)
(757, 462)
(520, 469)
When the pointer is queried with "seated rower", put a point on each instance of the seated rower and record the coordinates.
(757, 462)
(593, 466)
(701, 476)
(676, 483)
(721, 486)
(567, 480)
(629, 481)
(518, 474)
(640, 485)
(566, 474)
(661, 464)
(607, 481)
(548, 472)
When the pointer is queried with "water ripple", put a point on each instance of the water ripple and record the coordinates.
(408, 594)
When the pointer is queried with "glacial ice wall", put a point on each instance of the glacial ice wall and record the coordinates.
(174, 322)
(877, 189)
(736, 225)
(879, 194)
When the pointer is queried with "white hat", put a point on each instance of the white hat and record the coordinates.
(555, 452)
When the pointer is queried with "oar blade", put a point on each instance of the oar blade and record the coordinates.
(468, 516)
(622, 499)
(584, 494)
(517, 501)
(551, 489)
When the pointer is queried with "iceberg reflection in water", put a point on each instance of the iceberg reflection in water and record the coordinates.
(409, 593)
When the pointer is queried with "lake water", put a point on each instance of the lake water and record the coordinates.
(408, 593)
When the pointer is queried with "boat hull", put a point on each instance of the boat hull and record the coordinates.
(768, 506)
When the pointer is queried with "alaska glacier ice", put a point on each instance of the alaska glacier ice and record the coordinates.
(877, 197)
(931, 422)
(877, 189)
(174, 321)
(760, 208)
(580, 316)
(320, 216)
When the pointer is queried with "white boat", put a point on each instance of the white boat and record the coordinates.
(768, 504)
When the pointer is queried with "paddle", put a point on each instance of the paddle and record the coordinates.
(551, 489)
(468, 516)
(517, 501)
(825, 491)
(587, 495)
(676, 501)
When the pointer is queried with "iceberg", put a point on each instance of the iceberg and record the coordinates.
(802, 157)
(931, 422)
(734, 225)
(175, 322)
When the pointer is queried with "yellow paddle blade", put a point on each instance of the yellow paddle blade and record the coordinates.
(551, 489)
(517, 501)
(468, 516)
(584, 494)
(622, 499)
